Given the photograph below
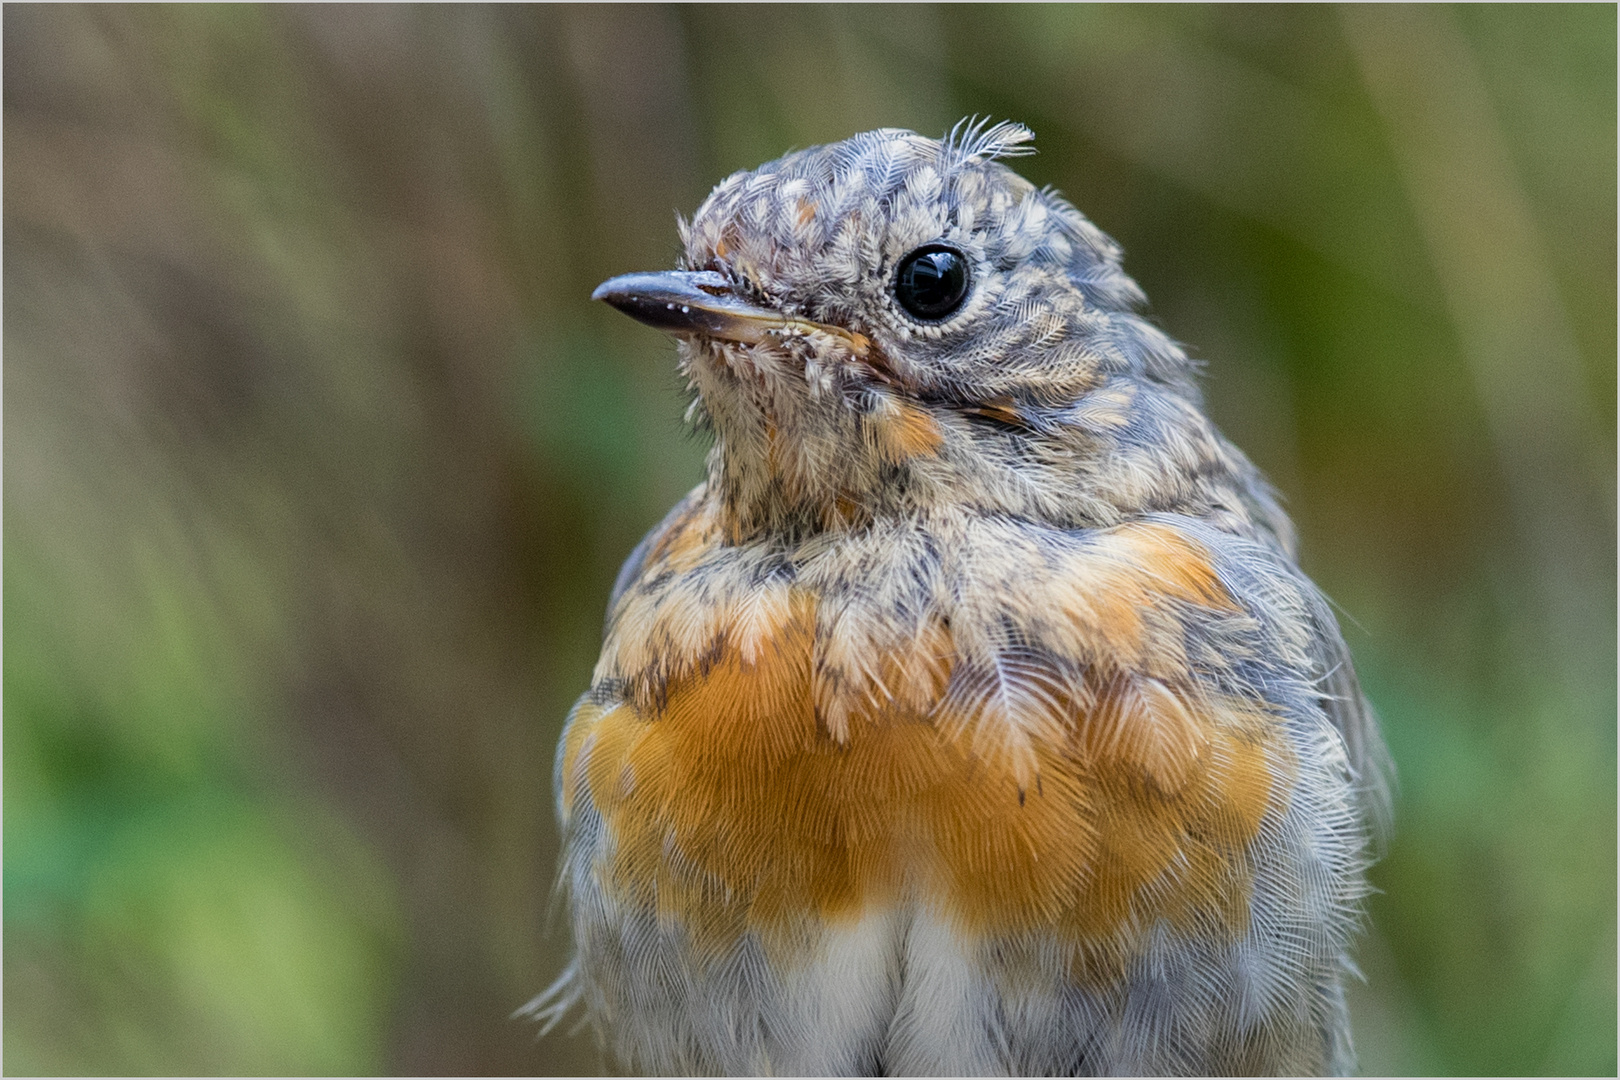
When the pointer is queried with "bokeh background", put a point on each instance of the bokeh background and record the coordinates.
(319, 464)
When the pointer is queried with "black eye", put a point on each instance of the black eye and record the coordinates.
(933, 282)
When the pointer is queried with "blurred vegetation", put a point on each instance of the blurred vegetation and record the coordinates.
(319, 464)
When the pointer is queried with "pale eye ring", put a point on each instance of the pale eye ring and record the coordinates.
(932, 282)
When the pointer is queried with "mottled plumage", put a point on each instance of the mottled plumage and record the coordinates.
(972, 715)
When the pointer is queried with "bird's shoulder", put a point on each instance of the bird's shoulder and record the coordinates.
(1161, 596)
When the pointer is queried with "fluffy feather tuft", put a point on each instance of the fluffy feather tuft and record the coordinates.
(977, 137)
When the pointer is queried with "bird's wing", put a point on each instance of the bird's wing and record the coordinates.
(1265, 569)
(637, 560)
(1352, 714)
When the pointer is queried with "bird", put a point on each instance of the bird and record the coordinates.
(973, 714)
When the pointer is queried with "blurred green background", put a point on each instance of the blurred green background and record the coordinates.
(319, 464)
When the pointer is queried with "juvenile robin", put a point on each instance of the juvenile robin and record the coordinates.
(972, 715)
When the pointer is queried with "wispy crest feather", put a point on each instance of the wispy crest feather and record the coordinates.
(977, 137)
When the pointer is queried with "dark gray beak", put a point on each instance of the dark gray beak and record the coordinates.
(689, 302)
(702, 302)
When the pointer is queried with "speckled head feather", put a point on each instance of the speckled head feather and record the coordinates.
(972, 715)
(1044, 393)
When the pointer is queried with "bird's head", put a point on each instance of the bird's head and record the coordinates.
(894, 324)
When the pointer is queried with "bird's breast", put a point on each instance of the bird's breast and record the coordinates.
(774, 754)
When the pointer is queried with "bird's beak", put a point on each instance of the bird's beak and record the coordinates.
(704, 303)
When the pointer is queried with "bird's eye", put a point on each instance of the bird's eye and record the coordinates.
(933, 282)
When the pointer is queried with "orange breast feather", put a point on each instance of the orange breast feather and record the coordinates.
(733, 808)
